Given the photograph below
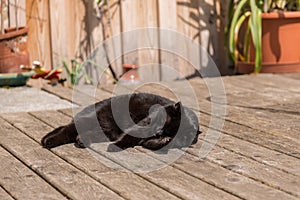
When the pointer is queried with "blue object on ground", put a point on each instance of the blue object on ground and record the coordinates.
(14, 79)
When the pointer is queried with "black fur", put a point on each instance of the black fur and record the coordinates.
(154, 122)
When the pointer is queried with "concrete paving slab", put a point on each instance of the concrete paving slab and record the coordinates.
(26, 99)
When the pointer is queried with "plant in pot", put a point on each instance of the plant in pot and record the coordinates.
(13, 49)
(263, 35)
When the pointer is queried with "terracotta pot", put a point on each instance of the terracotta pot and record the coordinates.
(13, 50)
(280, 44)
(130, 72)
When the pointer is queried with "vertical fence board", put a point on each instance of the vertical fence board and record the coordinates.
(208, 31)
(167, 21)
(188, 24)
(224, 61)
(73, 30)
(17, 13)
(148, 58)
(58, 24)
(39, 44)
(114, 26)
(129, 16)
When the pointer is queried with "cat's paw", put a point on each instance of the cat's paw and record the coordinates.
(79, 143)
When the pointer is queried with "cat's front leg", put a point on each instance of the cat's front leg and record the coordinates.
(156, 143)
(59, 136)
(124, 142)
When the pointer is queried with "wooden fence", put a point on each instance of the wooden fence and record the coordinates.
(60, 30)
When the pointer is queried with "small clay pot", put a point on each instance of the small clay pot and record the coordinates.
(13, 50)
(130, 72)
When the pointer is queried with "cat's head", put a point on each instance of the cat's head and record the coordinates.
(181, 125)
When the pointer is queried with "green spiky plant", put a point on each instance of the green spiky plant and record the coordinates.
(77, 71)
(251, 11)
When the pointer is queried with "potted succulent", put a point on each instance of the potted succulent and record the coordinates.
(263, 35)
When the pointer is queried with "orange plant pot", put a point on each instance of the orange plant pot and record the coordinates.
(13, 50)
(280, 44)
(130, 72)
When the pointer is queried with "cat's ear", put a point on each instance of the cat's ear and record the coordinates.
(178, 106)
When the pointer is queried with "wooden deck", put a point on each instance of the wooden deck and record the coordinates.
(256, 157)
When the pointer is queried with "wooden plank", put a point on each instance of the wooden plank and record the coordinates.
(292, 75)
(114, 31)
(21, 182)
(279, 144)
(225, 179)
(116, 158)
(284, 145)
(117, 180)
(274, 81)
(41, 115)
(59, 32)
(275, 123)
(129, 23)
(289, 180)
(235, 116)
(188, 24)
(64, 176)
(167, 177)
(168, 39)
(224, 60)
(252, 169)
(70, 95)
(93, 91)
(39, 40)
(17, 13)
(4, 195)
(148, 38)
(256, 152)
(269, 192)
(242, 178)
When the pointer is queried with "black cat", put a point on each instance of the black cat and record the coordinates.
(141, 119)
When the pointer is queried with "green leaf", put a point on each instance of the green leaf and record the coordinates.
(65, 65)
(255, 26)
(235, 19)
(239, 23)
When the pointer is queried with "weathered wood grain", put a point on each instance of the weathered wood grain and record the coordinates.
(17, 13)
(167, 15)
(255, 151)
(70, 95)
(114, 31)
(289, 190)
(292, 75)
(39, 35)
(188, 23)
(21, 182)
(148, 38)
(4, 195)
(252, 169)
(255, 186)
(65, 177)
(129, 24)
(276, 143)
(117, 159)
(225, 179)
(116, 179)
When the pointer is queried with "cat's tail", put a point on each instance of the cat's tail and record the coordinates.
(59, 136)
